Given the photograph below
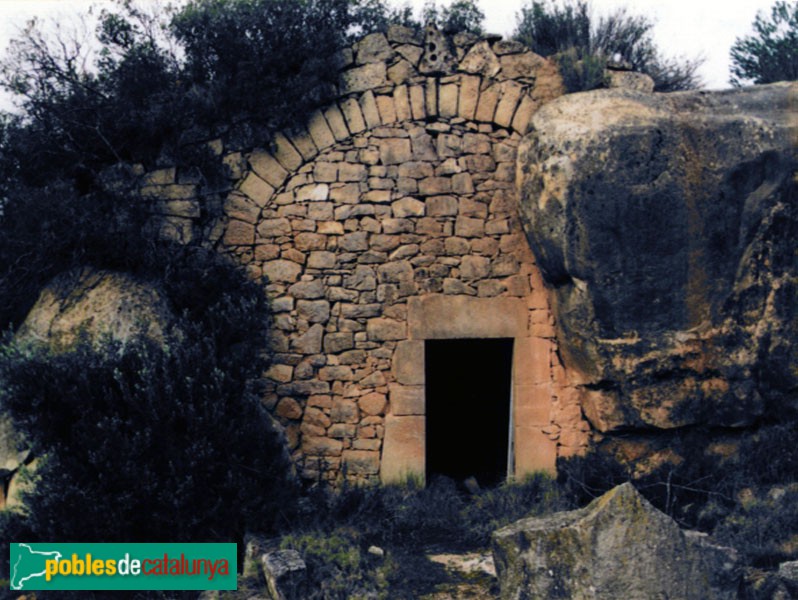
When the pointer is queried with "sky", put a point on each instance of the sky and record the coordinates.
(683, 28)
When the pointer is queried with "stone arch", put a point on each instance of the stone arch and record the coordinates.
(395, 207)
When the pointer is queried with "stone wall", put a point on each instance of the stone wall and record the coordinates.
(390, 219)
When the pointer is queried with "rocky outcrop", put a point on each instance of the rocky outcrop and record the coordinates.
(96, 304)
(619, 546)
(665, 225)
(90, 304)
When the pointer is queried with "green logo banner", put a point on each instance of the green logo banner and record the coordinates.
(123, 566)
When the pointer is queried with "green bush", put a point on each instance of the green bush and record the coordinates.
(584, 44)
(581, 75)
(152, 444)
(338, 567)
(763, 526)
(770, 53)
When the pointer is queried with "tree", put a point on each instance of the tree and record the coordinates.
(771, 52)
(460, 15)
(583, 45)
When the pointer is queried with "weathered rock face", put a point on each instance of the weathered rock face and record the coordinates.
(96, 304)
(85, 302)
(617, 547)
(666, 226)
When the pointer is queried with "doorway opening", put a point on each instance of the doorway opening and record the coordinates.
(468, 398)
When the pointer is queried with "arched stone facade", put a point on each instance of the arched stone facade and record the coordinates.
(392, 219)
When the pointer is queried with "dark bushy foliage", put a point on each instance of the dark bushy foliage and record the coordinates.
(770, 53)
(151, 444)
(584, 45)
(460, 15)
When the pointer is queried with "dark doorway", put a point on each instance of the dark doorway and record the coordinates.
(468, 408)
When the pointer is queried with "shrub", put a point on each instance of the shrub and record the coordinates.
(763, 526)
(770, 53)
(152, 444)
(581, 75)
(583, 45)
(338, 567)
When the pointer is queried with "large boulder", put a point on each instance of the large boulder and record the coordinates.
(95, 304)
(91, 304)
(619, 546)
(666, 226)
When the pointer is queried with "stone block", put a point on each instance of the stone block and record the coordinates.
(532, 404)
(417, 102)
(274, 227)
(474, 267)
(395, 151)
(307, 241)
(532, 360)
(338, 342)
(401, 101)
(462, 184)
(255, 188)
(431, 97)
(386, 109)
(321, 260)
(353, 115)
(523, 114)
(330, 228)
(408, 363)
(382, 329)
(505, 110)
(267, 168)
(281, 271)
(403, 453)
(354, 242)
(401, 72)
(480, 60)
(313, 311)
(361, 79)
(406, 399)
(486, 107)
(370, 112)
(344, 411)
(440, 316)
(373, 48)
(433, 186)
(348, 172)
(288, 408)
(447, 102)
(307, 290)
(361, 462)
(321, 446)
(342, 430)
(521, 66)
(302, 141)
(442, 206)
(335, 120)
(469, 96)
(372, 403)
(469, 227)
(407, 207)
(285, 153)
(336, 373)
(320, 131)
(313, 192)
(310, 341)
(534, 452)
(348, 193)
(238, 233)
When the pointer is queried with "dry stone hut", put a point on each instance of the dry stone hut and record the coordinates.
(413, 334)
